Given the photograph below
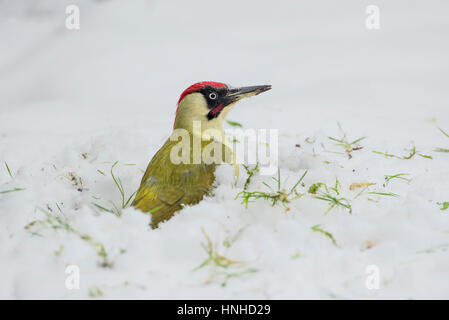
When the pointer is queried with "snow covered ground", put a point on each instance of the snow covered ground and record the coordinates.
(72, 103)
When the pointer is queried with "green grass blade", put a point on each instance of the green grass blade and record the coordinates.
(118, 183)
(267, 185)
(357, 140)
(447, 135)
(129, 199)
(279, 179)
(12, 190)
(389, 194)
(317, 228)
(336, 140)
(299, 181)
(398, 176)
(103, 208)
(444, 205)
(9, 171)
(234, 123)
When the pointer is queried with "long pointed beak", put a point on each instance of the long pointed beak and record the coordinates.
(236, 94)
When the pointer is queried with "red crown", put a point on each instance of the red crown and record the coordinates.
(198, 86)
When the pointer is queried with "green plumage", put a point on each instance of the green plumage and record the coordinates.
(166, 186)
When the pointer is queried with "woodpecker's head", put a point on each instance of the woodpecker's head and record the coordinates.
(210, 102)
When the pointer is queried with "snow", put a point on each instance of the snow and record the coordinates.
(75, 102)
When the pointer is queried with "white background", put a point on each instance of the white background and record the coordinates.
(109, 91)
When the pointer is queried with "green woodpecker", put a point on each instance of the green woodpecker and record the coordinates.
(168, 185)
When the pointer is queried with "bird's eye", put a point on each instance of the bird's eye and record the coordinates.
(213, 96)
